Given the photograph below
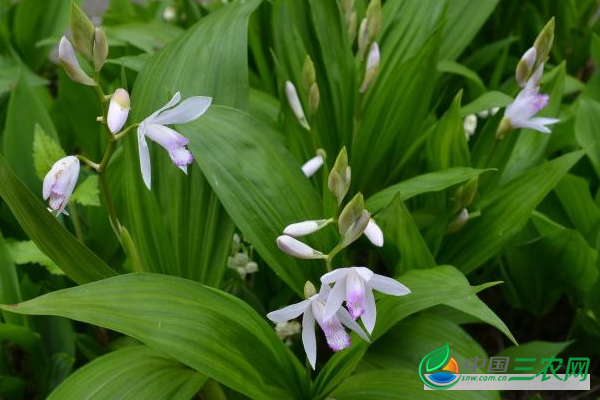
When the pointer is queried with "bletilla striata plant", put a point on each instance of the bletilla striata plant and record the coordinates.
(352, 285)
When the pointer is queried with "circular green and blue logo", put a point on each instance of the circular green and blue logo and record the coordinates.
(438, 370)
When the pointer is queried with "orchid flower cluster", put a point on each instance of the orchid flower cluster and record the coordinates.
(352, 285)
(521, 113)
(90, 43)
(240, 259)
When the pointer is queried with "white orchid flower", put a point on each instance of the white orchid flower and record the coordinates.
(355, 285)
(296, 248)
(313, 309)
(520, 113)
(154, 128)
(59, 183)
(118, 110)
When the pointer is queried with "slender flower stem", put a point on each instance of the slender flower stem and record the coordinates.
(88, 162)
(124, 132)
(492, 150)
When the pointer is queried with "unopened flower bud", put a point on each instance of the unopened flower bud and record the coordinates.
(543, 42)
(363, 38)
(339, 177)
(353, 220)
(235, 243)
(83, 32)
(314, 164)
(494, 111)
(296, 248)
(309, 290)
(525, 66)
(373, 19)
(352, 25)
(295, 105)
(347, 6)
(100, 48)
(308, 76)
(59, 183)
(483, 114)
(251, 267)
(287, 328)
(372, 67)
(504, 128)
(314, 98)
(470, 125)
(169, 14)
(373, 233)
(305, 228)
(118, 110)
(460, 221)
(68, 60)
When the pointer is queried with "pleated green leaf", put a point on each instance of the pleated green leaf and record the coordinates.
(132, 373)
(208, 330)
(77, 261)
(10, 291)
(430, 182)
(180, 227)
(504, 214)
(258, 182)
(587, 129)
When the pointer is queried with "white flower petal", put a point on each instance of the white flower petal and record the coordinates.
(145, 166)
(387, 285)
(335, 299)
(174, 100)
(348, 322)
(335, 275)
(303, 228)
(368, 318)
(290, 312)
(309, 339)
(49, 181)
(373, 233)
(296, 248)
(364, 272)
(188, 110)
(311, 166)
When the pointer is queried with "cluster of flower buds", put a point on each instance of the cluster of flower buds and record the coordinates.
(240, 260)
(310, 91)
(90, 42)
(367, 46)
(350, 18)
(352, 285)
(521, 113)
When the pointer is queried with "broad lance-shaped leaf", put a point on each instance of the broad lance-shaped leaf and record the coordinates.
(504, 214)
(430, 287)
(76, 260)
(211, 331)
(179, 227)
(430, 182)
(259, 184)
(134, 372)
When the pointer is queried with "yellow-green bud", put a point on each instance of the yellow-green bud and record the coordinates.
(314, 98)
(352, 25)
(504, 128)
(309, 290)
(308, 74)
(374, 19)
(82, 30)
(363, 39)
(339, 177)
(353, 220)
(100, 48)
(543, 42)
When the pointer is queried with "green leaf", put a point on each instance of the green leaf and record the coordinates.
(587, 129)
(574, 195)
(135, 372)
(452, 67)
(503, 214)
(430, 182)
(215, 333)
(437, 358)
(46, 151)
(148, 37)
(88, 192)
(402, 238)
(10, 291)
(77, 261)
(486, 102)
(27, 252)
(238, 155)
(25, 110)
(535, 349)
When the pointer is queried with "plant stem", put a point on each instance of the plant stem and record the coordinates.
(76, 221)
(88, 162)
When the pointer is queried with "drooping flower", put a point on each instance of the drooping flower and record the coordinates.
(297, 249)
(154, 128)
(118, 110)
(373, 233)
(355, 285)
(521, 112)
(68, 60)
(313, 309)
(59, 183)
(311, 166)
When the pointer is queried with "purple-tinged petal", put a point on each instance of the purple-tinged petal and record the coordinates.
(355, 294)
(181, 157)
(168, 138)
(188, 110)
